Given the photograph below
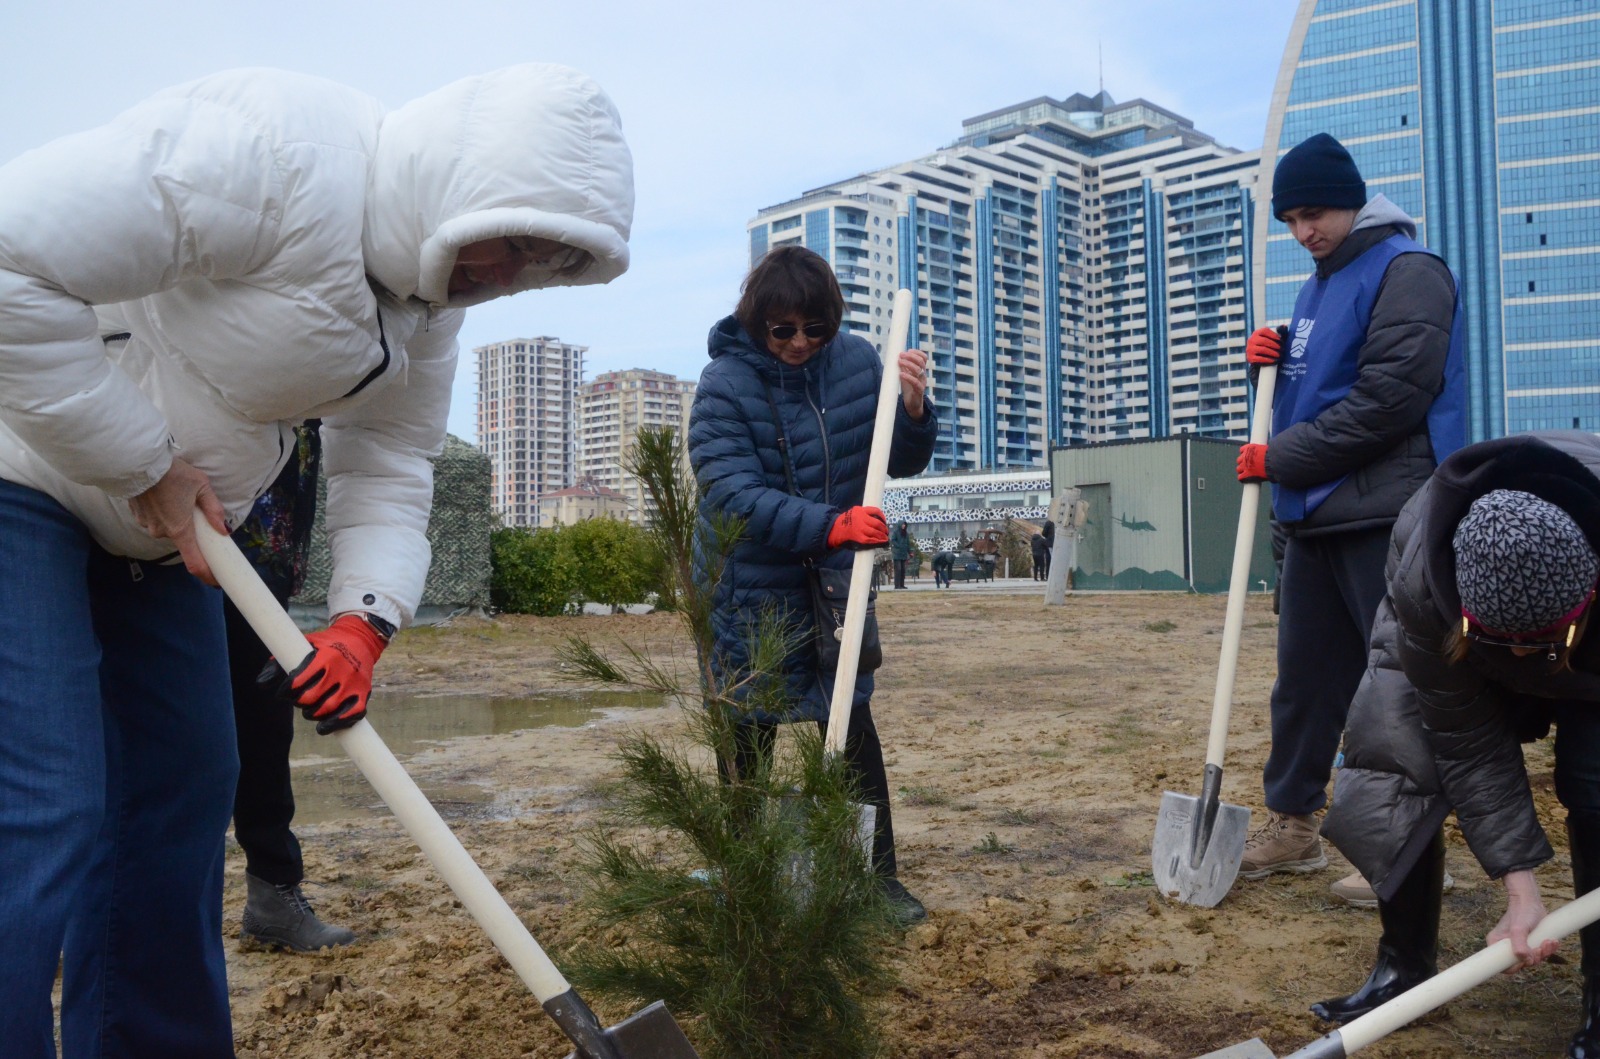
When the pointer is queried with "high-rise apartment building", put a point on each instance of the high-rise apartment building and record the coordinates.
(528, 421)
(1081, 272)
(1481, 119)
(615, 405)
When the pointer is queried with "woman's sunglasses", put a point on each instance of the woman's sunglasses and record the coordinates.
(1551, 648)
(784, 332)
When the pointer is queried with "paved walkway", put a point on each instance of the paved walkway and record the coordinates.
(1012, 586)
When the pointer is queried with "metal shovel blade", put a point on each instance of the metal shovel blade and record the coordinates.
(1198, 845)
(1330, 1047)
(649, 1033)
(1254, 1048)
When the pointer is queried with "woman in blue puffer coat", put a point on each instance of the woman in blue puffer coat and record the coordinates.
(781, 357)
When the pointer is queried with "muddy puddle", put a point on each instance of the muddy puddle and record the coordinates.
(327, 786)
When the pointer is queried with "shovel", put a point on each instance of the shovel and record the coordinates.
(651, 1033)
(1421, 999)
(855, 614)
(1199, 842)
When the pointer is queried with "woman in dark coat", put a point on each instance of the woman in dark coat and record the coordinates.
(782, 358)
(1041, 557)
(1485, 639)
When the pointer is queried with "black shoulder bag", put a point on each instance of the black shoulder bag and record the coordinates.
(829, 588)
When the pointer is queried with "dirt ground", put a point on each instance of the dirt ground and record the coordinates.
(1029, 746)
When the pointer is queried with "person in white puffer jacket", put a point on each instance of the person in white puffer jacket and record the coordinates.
(178, 289)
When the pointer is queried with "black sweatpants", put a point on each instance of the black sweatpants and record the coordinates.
(863, 757)
(1330, 591)
(263, 802)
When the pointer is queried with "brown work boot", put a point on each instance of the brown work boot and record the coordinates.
(1283, 843)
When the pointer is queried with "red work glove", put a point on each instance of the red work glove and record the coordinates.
(1252, 463)
(859, 527)
(331, 686)
(1265, 345)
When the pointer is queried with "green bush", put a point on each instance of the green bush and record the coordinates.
(557, 570)
(616, 564)
(530, 572)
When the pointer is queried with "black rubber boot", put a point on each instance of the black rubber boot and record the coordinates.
(1583, 837)
(280, 917)
(907, 909)
(1585, 1043)
(1408, 951)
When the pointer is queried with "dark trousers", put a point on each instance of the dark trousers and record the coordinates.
(1577, 776)
(900, 573)
(1331, 589)
(863, 757)
(263, 802)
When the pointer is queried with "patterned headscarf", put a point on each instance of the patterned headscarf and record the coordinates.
(1523, 566)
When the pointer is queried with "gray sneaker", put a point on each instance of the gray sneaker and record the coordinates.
(280, 917)
(1284, 843)
(1354, 890)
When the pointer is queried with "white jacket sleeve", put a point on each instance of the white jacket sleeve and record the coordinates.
(172, 190)
(380, 480)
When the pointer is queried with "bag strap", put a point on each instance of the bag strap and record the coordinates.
(783, 440)
(783, 452)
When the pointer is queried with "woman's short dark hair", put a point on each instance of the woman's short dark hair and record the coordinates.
(790, 280)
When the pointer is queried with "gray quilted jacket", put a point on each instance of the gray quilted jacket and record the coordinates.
(1425, 736)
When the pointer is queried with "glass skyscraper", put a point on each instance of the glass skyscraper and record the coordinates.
(1481, 119)
(1081, 268)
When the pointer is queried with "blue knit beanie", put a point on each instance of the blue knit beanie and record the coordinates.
(1317, 172)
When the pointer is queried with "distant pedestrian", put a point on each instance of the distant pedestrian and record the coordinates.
(900, 549)
(1041, 556)
(943, 563)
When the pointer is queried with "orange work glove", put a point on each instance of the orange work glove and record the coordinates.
(859, 527)
(1265, 345)
(332, 685)
(1252, 463)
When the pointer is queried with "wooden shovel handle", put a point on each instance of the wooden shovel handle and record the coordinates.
(409, 805)
(1472, 971)
(855, 613)
(1239, 583)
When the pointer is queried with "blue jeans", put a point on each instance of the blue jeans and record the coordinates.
(117, 770)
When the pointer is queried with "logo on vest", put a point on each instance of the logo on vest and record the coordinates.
(1295, 365)
(1302, 335)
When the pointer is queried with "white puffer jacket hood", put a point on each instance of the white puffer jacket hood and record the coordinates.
(529, 150)
(272, 247)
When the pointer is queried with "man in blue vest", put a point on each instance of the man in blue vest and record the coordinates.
(1371, 395)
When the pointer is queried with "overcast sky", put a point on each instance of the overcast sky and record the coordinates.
(728, 107)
